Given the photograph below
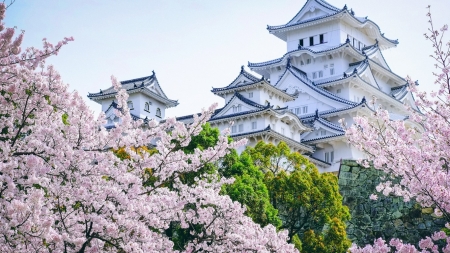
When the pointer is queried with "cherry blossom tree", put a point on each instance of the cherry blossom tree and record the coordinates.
(62, 189)
(416, 151)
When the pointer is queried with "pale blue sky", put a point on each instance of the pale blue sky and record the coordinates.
(194, 45)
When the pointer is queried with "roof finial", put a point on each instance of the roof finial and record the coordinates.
(316, 116)
(416, 82)
(363, 100)
(345, 7)
(355, 71)
(352, 12)
(345, 74)
(376, 42)
(101, 91)
(153, 72)
(347, 40)
(299, 46)
(288, 64)
(242, 68)
(262, 78)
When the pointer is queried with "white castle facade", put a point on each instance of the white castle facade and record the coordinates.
(333, 65)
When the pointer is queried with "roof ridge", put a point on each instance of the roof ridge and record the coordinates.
(322, 91)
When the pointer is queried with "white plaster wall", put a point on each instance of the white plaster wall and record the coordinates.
(330, 29)
(106, 103)
(275, 74)
(357, 33)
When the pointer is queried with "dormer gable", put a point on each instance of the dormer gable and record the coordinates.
(322, 129)
(243, 78)
(238, 104)
(313, 9)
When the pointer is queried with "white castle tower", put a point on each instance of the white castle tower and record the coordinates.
(333, 65)
(146, 99)
(334, 62)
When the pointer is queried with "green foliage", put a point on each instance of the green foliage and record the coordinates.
(297, 242)
(249, 189)
(208, 137)
(65, 118)
(308, 203)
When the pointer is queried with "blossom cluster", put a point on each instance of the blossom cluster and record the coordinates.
(62, 189)
(415, 152)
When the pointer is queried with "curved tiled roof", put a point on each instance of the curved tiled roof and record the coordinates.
(343, 11)
(400, 92)
(243, 86)
(324, 137)
(330, 125)
(304, 79)
(266, 63)
(320, 2)
(247, 75)
(311, 116)
(134, 85)
(268, 129)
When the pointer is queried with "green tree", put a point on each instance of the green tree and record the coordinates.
(249, 188)
(308, 202)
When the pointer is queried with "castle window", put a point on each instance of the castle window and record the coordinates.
(311, 41)
(297, 111)
(314, 75)
(147, 107)
(305, 109)
(250, 94)
(320, 73)
(338, 91)
(241, 128)
(301, 42)
(321, 39)
(254, 125)
(329, 157)
(302, 63)
(130, 105)
(158, 112)
(233, 129)
(323, 132)
(308, 61)
(282, 131)
(331, 71)
(239, 108)
(234, 109)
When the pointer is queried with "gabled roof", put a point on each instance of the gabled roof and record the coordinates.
(372, 51)
(300, 49)
(115, 106)
(318, 122)
(244, 77)
(272, 133)
(300, 75)
(240, 84)
(148, 85)
(238, 97)
(335, 112)
(280, 30)
(326, 7)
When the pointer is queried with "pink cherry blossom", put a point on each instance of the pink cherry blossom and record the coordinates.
(416, 151)
(63, 190)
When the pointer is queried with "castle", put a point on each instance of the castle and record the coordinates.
(333, 66)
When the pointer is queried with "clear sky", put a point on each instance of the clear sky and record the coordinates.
(194, 45)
